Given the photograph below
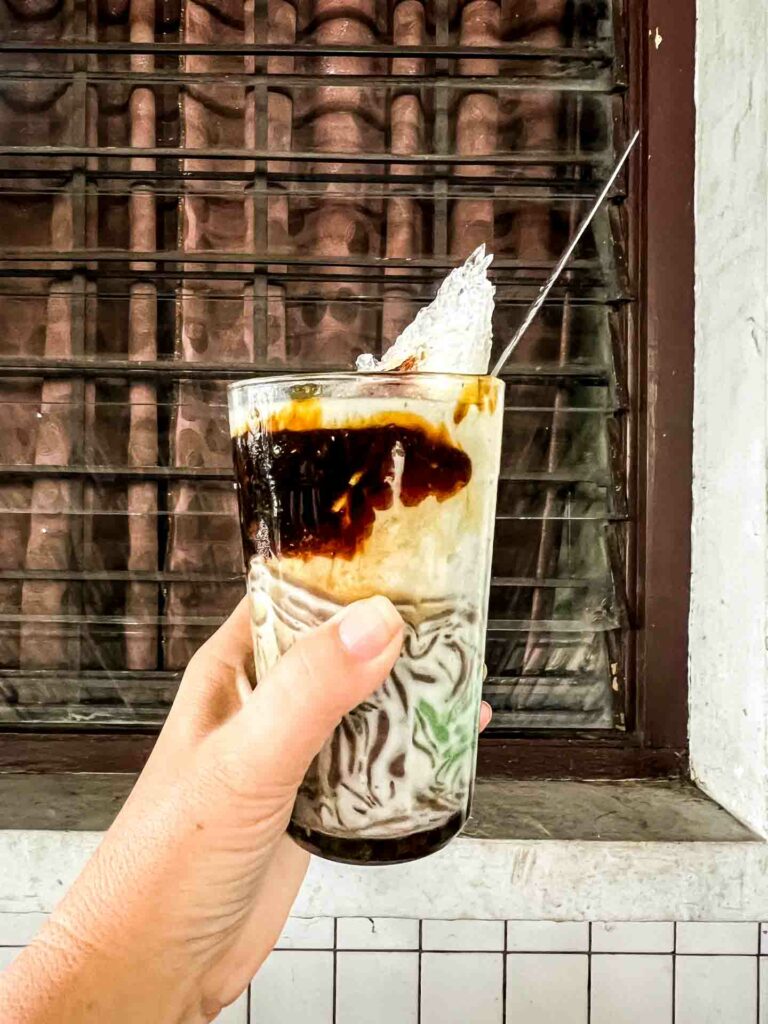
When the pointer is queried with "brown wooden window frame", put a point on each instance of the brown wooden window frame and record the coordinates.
(660, 376)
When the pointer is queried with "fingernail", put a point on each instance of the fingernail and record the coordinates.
(486, 714)
(366, 627)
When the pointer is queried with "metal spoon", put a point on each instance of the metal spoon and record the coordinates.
(547, 288)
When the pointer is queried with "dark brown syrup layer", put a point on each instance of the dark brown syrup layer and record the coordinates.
(314, 490)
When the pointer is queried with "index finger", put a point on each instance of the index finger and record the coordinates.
(231, 644)
(217, 680)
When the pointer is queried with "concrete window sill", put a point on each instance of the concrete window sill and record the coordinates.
(532, 850)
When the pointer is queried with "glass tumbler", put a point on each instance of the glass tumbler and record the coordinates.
(351, 485)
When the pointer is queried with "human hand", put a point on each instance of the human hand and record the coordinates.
(193, 882)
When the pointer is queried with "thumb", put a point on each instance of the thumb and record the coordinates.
(326, 673)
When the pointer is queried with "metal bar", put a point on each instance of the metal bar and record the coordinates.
(573, 628)
(20, 403)
(117, 472)
(519, 298)
(592, 293)
(523, 158)
(564, 627)
(64, 332)
(205, 473)
(363, 262)
(505, 51)
(514, 679)
(284, 186)
(520, 284)
(88, 136)
(31, 366)
(119, 576)
(516, 296)
(113, 620)
(529, 187)
(142, 548)
(164, 514)
(257, 133)
(477, 83)
(57, 675)
(575, 583)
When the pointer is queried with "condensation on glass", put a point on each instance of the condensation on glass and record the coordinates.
(194, 193)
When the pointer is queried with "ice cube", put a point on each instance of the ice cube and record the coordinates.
(453, 334)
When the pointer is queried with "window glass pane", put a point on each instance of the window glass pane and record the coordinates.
(189, 193)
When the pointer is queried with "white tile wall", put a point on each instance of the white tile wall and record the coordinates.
(394, 971)
(631, 988)
(548, 936)
(376, 933)
(716, 990)
(546, 987)
(307, 933)
(633, 937)
(461, 987)
(19, 929)
(294, 986)
(738, 939)
(487, 936)
(377, 988)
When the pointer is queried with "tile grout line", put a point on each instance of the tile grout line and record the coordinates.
(589, 973)
(418, 993)
(759, 963)
(473, 949)
(333, 989)
(674, 971)
(458, 952)
(504, 977)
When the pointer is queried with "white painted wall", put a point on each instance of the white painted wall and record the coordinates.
(728, 665)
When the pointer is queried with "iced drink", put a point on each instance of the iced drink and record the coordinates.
(358, 484)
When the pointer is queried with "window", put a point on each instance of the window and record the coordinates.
(194, 193)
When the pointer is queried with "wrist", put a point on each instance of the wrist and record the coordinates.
(61, 979)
